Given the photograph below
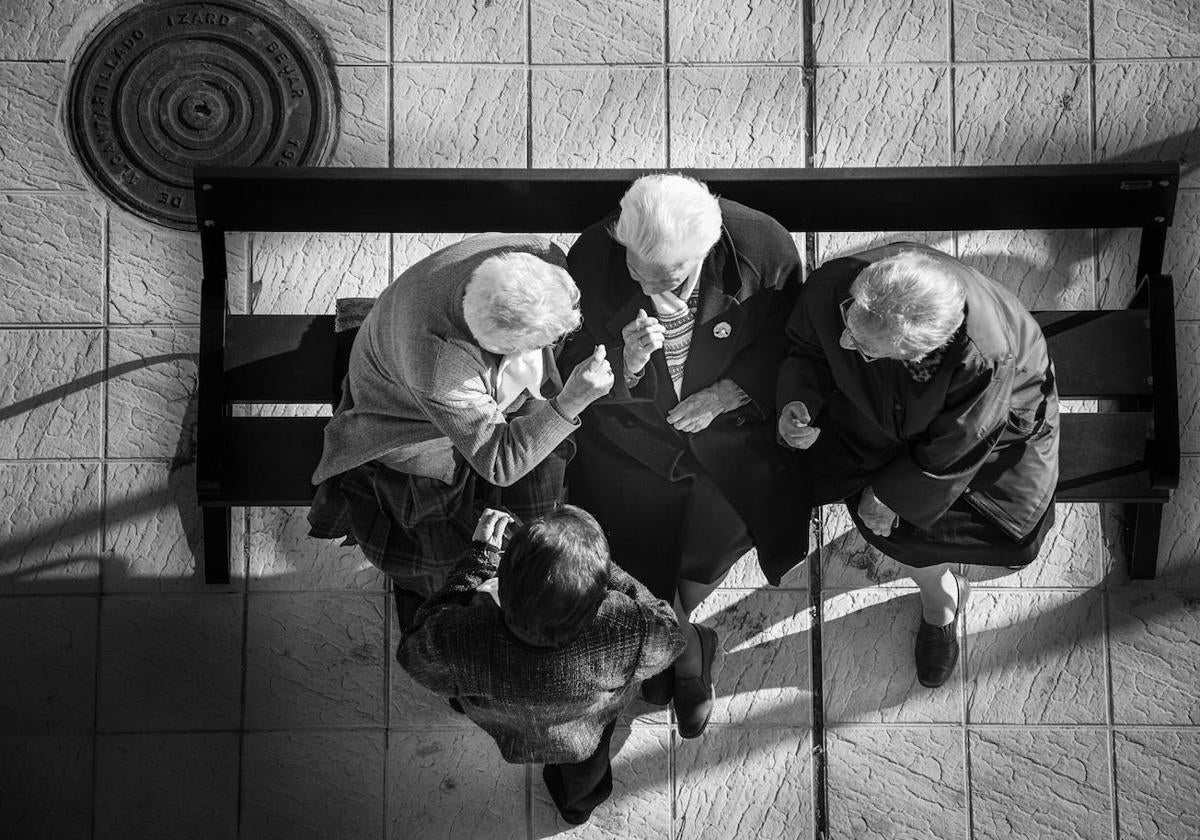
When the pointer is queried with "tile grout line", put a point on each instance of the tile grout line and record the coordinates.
(665, 64)
(1109, 710)
(529, 84)
(245, 656)
(101, 490)
(1091, 75)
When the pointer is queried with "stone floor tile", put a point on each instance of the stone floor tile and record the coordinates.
(840, 244)
(736, 116)
(1047, 269)
(48, 659)
(747, 574)
(1179, 542)
(354, 30)
(51, 259)
(154, 273)
(410, 248)
(640, 805)
(170, 662)
(1157, 29)
(307, 272)
(1118, 251)
(579, 32)
(50, 31)
(460, 116)
(1018, 30)
(1154, 642)
(1072, 555)
(459, 30)
(867, 640)
(908, 30)
(177, 786)
(1035, 657)
(1022, 114)
(49, 528)
(51, 393)
(1052, 784)
(364, 117)
(854, 104)
(762, 669)
(152, 393)
(748, 30)
(1146, 111)
(153, 537)
(453, 784)
(1158, 774)
(737, 782)
(586, 117)
(283, 557)
(848, 561)
(315, 660)
(896, 784)
(319, 785)
(29, 101)
(46, 787)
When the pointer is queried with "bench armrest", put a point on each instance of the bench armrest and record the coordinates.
(1162, 450)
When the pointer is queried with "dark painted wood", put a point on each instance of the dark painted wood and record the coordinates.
(279, 358)
(1163, 456)
(1143, 528)
(216, 525)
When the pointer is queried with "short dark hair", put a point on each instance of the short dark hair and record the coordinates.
(553, 576)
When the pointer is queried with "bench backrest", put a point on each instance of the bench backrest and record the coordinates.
(289, 358)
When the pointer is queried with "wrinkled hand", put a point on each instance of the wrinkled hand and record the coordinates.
(875, 514)
(642, 336)
(490, 529)
(696, 412)
(591, 380)
(794, 426)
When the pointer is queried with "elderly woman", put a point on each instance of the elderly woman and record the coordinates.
(453, 402)
(543, 645)
(689, 294)
(923, 393)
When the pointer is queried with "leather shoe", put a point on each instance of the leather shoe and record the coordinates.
(695, 696)
(937, 647)
(659, 689)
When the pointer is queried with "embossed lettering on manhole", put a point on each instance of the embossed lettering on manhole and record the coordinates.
(172, 85)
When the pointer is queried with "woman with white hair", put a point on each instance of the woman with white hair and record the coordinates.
(453, 403)
(922, 392)
(689, 293)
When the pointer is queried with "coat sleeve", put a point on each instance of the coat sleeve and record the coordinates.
(421, 651)
(502, 450)
(756, 368)
(662, 640)
(921, 484)
(804, 374)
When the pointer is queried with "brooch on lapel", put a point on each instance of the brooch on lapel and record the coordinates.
(722, 330)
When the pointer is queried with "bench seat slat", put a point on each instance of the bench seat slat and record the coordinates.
(269, 460)
(1099, 354)
(279, 358)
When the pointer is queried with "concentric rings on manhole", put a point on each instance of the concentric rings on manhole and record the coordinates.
(171, 85)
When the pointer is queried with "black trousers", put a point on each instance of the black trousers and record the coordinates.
(579, 787)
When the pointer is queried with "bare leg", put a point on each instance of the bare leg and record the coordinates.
(939, 593)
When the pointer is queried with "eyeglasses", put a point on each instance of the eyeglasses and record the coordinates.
(845, 307)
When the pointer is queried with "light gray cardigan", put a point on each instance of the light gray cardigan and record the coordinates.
(419, 387)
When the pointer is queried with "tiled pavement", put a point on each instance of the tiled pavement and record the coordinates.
(135, 702)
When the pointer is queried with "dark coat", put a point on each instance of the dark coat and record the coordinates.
(749, 282)
(984, 428)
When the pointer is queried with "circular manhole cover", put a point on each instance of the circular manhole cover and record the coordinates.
(168, 86)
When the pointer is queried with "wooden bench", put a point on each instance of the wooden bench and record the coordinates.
(1126, 452)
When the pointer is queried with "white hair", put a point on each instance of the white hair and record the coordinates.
(668, 219)
(516, 301)
(912, 302)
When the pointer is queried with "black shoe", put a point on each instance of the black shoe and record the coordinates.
(695, 696)
(659, 689)
(937, 647)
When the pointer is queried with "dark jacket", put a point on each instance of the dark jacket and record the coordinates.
(984, 428)
(748, 283)
(546, 705)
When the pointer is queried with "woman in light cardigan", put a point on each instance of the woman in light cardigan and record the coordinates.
(453, 402)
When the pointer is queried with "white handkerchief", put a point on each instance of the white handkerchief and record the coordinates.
(518, 373)
(492, 587)
(674, 304)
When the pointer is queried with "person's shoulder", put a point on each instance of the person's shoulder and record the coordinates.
(596, 236)
(746, 222)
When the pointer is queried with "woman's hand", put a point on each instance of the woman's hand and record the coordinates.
(794, 428)
(591, 380)
(642, 336)
(875, 514)
(490, 529)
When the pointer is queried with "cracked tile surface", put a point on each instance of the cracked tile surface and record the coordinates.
(1155, 651)
(1144, 111)
(46, 786)
(742, 30)
(1158, 28)
(458, 30)
(578, 32)
(284, 557)
(296, 273)
(1158, 774)
(151, 393)
(48, 656)
(1016, 30)
(878, 30)
(50, 519)
(33, 152)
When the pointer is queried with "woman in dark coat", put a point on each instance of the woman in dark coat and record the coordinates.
(689, 294)
(922, 392)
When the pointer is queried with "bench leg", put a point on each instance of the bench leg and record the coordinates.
(1142, 526)
(216, 544)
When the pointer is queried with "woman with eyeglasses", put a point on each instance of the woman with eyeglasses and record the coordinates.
(922, 393)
